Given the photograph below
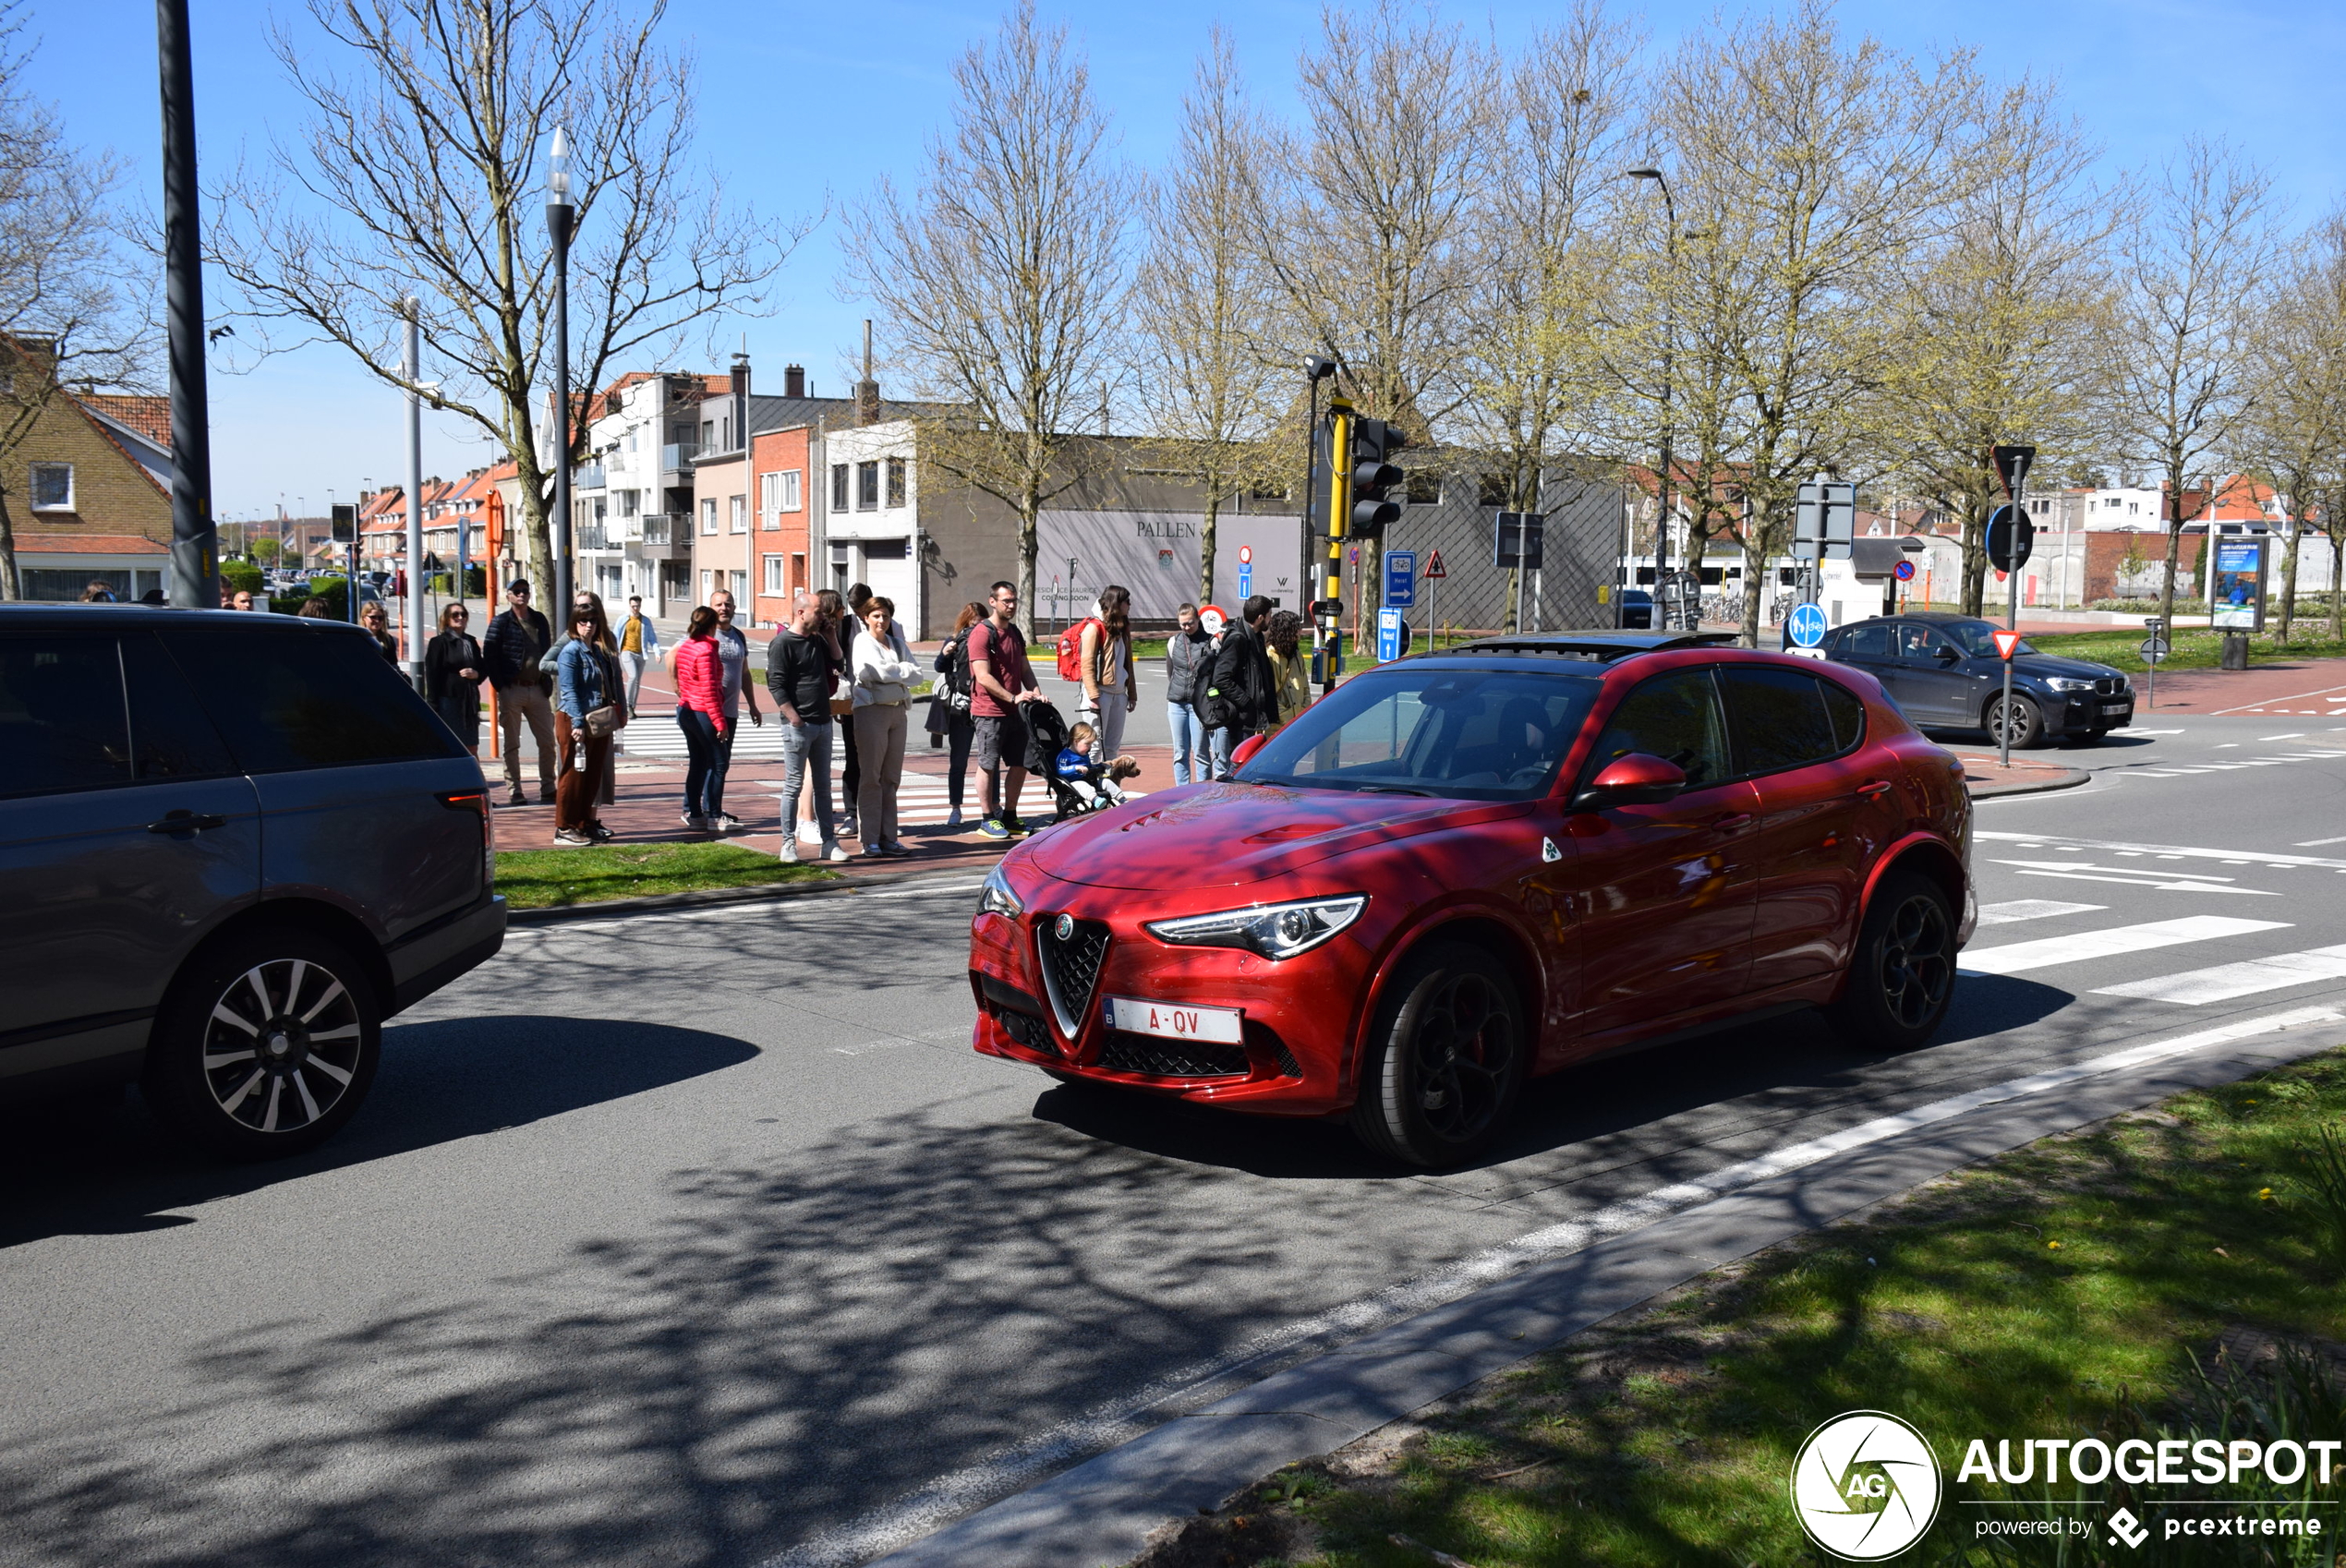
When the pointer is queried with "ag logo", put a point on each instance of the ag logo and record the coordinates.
(1865, 1486)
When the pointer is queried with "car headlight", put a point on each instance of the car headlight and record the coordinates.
(995, 897)
(1276, 931)
(2068, 683)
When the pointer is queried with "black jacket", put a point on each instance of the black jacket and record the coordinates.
(1242, 694)
(802, 672)
(445, 655)
(511, 648)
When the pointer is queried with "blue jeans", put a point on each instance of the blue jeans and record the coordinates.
(700, 754)
(1222, 742)
(712, 792)
(806, 767)
(1189, 738)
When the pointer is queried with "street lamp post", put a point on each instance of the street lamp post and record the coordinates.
(1669, 350)
(562, 222)
(195, 541)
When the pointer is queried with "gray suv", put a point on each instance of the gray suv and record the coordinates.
(230, 847)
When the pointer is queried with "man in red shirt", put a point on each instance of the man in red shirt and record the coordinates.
(1003, 683)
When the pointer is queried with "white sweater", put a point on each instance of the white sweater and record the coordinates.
(882, 672)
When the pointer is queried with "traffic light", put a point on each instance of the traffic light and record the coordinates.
(1373, 476)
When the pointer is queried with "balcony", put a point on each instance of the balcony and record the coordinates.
(663, 537)
(677, 456)
(593, 536)
(586, 477)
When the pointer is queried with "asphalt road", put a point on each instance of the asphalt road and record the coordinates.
(705, 1239)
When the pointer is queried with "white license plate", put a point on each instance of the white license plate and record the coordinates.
(1221, 1025)
(2115, 707)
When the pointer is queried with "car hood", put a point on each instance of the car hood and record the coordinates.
(2051, 666)
(1228, 834)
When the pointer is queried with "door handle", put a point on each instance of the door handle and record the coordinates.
(1732, 820)
(1873, 787)
(185, 822)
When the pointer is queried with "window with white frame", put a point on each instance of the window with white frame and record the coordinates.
(770, 499)
(839, 486)
(774, 584)
(896, 481)
(737, 514)
(708, 584)
(52, 487)
(794, 489)
(708, 519)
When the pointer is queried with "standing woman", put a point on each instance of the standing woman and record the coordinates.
(950, 719)
(377, 621)
(1110, 685)
(700, 708)
(452, 675)
(1291, 668)
(587, 713)
(884, 673)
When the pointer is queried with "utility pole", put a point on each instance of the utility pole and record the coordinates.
(562, 222)
(195, 542)
(414, 602)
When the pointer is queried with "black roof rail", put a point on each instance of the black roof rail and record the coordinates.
(1600, 646)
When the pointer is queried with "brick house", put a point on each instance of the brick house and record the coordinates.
(89, 496)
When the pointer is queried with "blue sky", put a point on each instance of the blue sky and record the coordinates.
(803, 101)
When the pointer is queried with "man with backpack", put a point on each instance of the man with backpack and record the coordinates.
(1242, 694)
(1002, 685)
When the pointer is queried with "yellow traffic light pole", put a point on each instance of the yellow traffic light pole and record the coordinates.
(1328, 646)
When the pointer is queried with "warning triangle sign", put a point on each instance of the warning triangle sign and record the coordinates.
(1434, 567)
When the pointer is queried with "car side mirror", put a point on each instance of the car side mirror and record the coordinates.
(1638, 779)
(1947, 655)
(1247, 748)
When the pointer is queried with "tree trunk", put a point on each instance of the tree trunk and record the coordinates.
(1030, 509)
(1205, 547)
(1755, 574)
(11, 586)
(2337, 588)
(2289, 580)
(2167, 589)
(1975, 556)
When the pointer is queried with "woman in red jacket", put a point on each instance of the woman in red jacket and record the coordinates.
(700, 708)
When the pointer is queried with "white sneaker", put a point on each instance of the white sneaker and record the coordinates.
(837, 853)
(725, 822)
(790, 850)
(695, 822)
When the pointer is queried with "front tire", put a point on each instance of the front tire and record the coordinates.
(1901, 977)
(1445, 1059)
(2026, 724)
(268, 1045)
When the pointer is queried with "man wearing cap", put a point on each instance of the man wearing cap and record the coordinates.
(517, 639)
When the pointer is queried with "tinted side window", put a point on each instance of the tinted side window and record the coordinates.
(1847, 713)
(1869, 641)
(170, 737)
(1780, 719)
(306, 699)
(62, 725)
(1674, 716)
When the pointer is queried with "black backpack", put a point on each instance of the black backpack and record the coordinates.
(959, 685)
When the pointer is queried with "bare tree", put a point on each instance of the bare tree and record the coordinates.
(1811, 170)
(1997, 326)
(1365, 223)
(1002, 278)
(420, 172)
(1204, 309)
(74, 309)
(2295, 434)
(2182, 350)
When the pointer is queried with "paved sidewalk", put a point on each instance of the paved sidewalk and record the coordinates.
(1987, 779)
(2309, 688)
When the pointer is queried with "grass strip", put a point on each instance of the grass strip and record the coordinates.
(2193, 648)
(542, 879)
(2119, 1281)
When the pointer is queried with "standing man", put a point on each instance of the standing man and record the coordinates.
(516, 642)
(1189, 654)
(638, 645)
(1003, 683)
(733, 658)
(801, 673)
(1242, 694)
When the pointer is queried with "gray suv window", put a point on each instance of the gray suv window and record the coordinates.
(290, 701)
(62, 723)
(170, 737)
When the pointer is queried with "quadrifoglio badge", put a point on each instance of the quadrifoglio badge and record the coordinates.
(1866, 1486)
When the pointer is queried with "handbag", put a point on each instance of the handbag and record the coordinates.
(842, 699)
(606, 720)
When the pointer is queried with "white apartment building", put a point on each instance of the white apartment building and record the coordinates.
(870, 519)
(631, 501)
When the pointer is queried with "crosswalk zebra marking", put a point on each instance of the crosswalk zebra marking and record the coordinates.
(2031, 908)
(2223, 983)
(2176, 851)
(2018, 958)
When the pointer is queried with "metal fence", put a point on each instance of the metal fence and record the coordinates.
(1580, 555)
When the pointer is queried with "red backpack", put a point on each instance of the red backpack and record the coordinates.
(1072, 647)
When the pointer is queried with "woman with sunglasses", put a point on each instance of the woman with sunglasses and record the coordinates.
(452, 676)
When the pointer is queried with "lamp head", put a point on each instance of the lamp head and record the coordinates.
(558, 169)
(1318, 368)
(1642, 174)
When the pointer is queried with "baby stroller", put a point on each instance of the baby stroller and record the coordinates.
(1047, 735)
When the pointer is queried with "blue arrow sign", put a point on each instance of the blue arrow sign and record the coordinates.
(1806, 625)
(1246, 579)
(1401, 578)
(1392, 636)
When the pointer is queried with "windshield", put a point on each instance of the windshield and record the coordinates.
(1472, 735)
(1977, 639)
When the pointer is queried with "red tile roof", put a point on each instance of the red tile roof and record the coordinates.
(91, 544)
(151, 417)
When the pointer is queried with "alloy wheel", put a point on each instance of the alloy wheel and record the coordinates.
(1917, 967)
(282, 1046)
(1463, 1051)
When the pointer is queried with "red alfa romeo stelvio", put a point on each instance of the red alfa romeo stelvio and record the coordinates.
(1462, 869)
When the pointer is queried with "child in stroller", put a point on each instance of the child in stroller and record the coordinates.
(1090, 776)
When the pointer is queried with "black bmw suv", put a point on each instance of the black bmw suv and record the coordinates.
(231, 846)
(1944, 672)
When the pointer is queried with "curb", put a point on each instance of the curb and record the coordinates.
(2069, 779)
(661, 903)
(1103, 1511)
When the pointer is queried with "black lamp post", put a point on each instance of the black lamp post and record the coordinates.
(562, 222)
(1669, 348)
(195, 541)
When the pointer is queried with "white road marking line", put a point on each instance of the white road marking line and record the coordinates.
(2222, 983)
(2293, 735)
(2031, 908)
(2046, 952)
(964, 1492)
(2316, 843)
(2148, 882)
(2158, 732)
(2293, 697)
(2033, 840)
(2127, 870)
